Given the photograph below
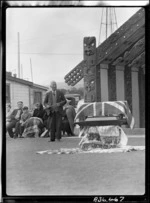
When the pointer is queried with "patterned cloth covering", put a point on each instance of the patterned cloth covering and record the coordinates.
(97, 140)
(97, 150)
(33, 127)
(104, 109)
(103, 137)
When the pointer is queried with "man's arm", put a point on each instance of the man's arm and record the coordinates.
(63, 100)
(13, 114)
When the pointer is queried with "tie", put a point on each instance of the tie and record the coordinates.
(54, 98)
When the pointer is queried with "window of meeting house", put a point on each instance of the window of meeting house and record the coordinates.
(37, 97)
(7, 93)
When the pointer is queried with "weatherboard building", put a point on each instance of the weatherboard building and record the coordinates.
(18, 89)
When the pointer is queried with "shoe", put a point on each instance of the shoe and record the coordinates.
(51, 141)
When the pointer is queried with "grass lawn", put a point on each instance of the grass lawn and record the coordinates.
(29, 173)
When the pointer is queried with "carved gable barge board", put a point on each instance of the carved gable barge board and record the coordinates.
(123, 47)
(78, 66)
(139, 61)
(75, 75)
(119, 61)
(119, 52)
(123, 44)
(71, 78)
(131, 53)
(136, 50)
(128, 28)
(121, 30)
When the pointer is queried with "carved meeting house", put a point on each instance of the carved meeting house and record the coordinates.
(115, 70)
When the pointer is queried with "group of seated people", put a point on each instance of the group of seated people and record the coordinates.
(22, 123)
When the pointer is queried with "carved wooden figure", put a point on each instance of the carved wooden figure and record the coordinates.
(89, 72)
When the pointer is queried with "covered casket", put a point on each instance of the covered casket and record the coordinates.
(100, 124)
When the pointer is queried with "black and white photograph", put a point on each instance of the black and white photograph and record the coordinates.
(75, 100)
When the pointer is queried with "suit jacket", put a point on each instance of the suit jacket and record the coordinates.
(60, 99)
(14, 113)
(38, 113)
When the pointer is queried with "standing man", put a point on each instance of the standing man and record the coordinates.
(14, 118)
(54, 101)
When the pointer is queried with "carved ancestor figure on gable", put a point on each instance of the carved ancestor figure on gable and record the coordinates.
(89, 85)
(89, 94)
(89, 46)
(89, 71)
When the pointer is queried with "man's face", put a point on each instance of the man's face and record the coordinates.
(37, 106)
(53, 86)
(20, 105)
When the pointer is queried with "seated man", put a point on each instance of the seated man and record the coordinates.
(14, 118)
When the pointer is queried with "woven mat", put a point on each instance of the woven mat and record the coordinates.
(97, 150)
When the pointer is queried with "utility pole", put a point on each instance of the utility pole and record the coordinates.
(31, 69)
(18, 56)
(21, 71)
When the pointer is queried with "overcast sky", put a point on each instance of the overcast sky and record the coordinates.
(52, 38)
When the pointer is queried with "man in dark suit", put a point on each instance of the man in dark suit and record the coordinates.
(54, 101)
(14, 118)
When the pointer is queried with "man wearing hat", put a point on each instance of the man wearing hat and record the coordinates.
(54, 102)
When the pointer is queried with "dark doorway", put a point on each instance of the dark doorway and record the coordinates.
(37, 97)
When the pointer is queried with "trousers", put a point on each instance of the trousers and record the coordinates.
(56, 122)
(10, 126)
(18, 129)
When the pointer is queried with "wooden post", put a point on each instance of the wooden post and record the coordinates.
(104, 81)
(120, 89)
(89, 71)
(135, 96)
